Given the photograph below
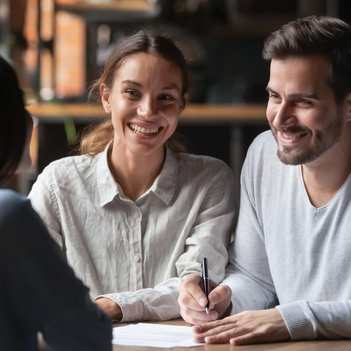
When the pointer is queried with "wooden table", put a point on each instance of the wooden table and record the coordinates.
(337, 345)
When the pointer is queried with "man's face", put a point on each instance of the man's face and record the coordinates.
(302, 112)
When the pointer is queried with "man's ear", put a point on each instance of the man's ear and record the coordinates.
(105, 98)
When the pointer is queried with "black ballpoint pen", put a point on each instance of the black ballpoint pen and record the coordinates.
(204, 275)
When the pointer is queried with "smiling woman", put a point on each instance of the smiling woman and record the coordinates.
(133, 214)
(157, 46)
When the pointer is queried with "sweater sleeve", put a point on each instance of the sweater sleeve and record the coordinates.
(248, 273)
(312, 320)
(38, 290)
(208, 237)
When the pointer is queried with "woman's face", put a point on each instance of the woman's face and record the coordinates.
(26, 161)
(145, 103)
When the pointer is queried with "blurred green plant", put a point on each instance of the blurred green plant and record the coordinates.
(68, 121)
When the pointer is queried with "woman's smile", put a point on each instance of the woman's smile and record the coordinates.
(145, 131)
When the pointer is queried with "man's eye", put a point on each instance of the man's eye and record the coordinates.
(273, 97)
(303, 102)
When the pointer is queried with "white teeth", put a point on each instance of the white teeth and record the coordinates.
(141, 130)
(290, 136)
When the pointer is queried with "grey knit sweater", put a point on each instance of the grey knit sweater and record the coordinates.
(289, 253)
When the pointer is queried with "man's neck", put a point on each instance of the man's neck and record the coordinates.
(324, 177)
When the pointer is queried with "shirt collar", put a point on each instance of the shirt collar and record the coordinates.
(106, 184)
(163, 186)
(165, 183)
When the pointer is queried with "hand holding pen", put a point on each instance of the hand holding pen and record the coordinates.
(206, 282)
(192, 298)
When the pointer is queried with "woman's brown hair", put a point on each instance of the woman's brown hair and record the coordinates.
(95, 139)
(12, 121)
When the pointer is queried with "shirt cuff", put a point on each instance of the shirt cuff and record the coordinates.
(131, 310)
(298, 325)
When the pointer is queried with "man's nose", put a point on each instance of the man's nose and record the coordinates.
(284, 116)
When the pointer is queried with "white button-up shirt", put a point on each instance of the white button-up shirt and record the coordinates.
(137, 253)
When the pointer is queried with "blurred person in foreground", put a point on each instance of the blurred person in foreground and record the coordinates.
(289, 272)
(38, 290)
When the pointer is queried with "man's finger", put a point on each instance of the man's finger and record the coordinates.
(187, 301)
(251, 338)
(219, 294)
(203, 328)
(216, 334)
(221, 338)
(195, 317)
(193, 287)
(192, 320)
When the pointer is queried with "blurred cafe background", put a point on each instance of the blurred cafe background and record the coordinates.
(58, 48)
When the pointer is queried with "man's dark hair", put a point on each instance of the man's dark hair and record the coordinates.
(324, 36)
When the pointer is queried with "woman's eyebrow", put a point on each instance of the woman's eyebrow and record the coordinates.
(128, 81)
(171, 87)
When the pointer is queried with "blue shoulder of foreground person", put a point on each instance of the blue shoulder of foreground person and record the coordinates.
(39, 291)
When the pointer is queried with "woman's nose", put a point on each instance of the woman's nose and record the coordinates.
(147, 108)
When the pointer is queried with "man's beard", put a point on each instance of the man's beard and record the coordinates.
(323, 141)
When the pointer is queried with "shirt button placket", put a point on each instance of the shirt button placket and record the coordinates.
(137, 251)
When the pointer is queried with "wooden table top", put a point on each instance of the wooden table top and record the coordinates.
(193, 113)
(337, 345)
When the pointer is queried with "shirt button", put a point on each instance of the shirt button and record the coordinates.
(136, 214)
(136, 258)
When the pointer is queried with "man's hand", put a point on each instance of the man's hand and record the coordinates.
(192, 300)
(109, 307)
(249, 327)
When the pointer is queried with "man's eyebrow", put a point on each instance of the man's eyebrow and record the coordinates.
(297, 95)
(303, 96)
(128, 81)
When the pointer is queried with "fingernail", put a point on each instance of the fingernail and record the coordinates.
(202, 302)
(214, 315)
(214, 298)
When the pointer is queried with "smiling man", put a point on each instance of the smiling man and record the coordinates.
(289, 273)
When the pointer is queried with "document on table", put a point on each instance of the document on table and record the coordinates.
(154, 335)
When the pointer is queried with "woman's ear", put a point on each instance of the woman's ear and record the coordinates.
(105, 98)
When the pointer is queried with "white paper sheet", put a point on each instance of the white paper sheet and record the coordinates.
(154, 335)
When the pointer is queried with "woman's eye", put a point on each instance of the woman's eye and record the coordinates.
(166, 97)
(131, 93)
